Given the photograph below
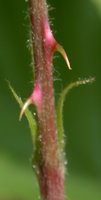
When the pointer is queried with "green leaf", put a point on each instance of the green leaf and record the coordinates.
(60, 108)
(28, 114)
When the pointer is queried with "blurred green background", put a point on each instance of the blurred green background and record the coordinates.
(77, 26)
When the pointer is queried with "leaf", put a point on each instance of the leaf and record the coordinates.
(28, 114)
(60, 107)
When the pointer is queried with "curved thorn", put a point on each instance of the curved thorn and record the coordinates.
(60, 49)
(26, 104)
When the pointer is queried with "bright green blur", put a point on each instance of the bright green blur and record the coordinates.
(77, 26)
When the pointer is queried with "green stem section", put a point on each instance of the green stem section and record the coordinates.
(60, 107)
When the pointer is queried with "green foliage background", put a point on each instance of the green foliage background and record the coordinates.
(77, 26)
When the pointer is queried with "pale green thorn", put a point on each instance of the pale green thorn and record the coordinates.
(25, 106)
(61, 50)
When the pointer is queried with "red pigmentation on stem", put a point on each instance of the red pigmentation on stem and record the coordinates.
(50, 165)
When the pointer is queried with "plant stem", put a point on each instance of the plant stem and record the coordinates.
(50, 166)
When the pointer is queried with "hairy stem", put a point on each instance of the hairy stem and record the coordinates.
(50, 167)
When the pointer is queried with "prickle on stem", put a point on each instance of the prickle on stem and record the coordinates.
(61, 50)
(36, 94)
(35, 98)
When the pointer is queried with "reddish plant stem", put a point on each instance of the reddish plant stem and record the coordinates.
(51, 169)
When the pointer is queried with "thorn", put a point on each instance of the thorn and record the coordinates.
(61, 50)
(26, 104)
